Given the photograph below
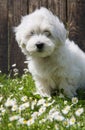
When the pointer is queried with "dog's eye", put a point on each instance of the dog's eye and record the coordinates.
(23, 45)
(32, 33)
(47, 33)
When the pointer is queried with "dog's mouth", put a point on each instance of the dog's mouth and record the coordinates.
(40, 49)
(40, 53)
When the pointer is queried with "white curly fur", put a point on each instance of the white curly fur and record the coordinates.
(54, 61)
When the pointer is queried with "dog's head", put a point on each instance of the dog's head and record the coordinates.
(40, 33)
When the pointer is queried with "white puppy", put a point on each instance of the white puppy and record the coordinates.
(54, 61)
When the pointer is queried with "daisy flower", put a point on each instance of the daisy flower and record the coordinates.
(66, 123)
(41, 110)
(65, 102)
(33, 103)
(24, 98)
(41, 102)
(22, 121)
(24, 106)
(66, 110)
(14, 65)
(49, 104)
(79, 111)
(10, 102)
(13, 118)
(34, 115)
(1, 98)
(26, 70)
(58, 117)
(21, 88)
(30, 122)
(74, 100)
(1, 85)
(72, 120)
(14, 107)
(57, 127)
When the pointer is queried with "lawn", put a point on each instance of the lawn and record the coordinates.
(22, 109)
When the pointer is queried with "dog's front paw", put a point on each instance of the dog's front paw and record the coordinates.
(44, 92)
(68, 90)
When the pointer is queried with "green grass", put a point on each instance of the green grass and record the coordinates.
(21, 109)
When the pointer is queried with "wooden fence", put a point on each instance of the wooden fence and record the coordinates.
(71, 12)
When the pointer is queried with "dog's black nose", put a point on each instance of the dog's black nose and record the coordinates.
(40, 46)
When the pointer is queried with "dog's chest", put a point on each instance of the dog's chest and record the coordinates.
(47, 69)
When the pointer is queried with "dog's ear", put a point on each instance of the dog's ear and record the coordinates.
(61, 32)
(17, 34)
(59, 28)
(19, 38)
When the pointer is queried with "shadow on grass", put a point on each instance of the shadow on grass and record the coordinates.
(81, 94)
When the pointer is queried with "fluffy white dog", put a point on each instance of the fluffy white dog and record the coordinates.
(54, 61)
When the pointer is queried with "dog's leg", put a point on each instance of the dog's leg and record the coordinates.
(68, 89)
(43, 88)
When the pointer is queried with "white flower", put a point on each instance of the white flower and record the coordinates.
(79, 111)
(74, 100)
(26, 70)
(23, 106)
(34, 115)
(66, 122)
(24, 98)
(72, 120)
(15, 117)
(43, 120)
(1, 98)
(30, 122)
(21, 88)
(0, 71)
(49, 98)
(41, 110)
(41, 102)
(1, 85)
(58, 117)
(49, 104)
(52, 111)
(33, 103)
(65, 102)
(14, 65)
(57, 127)
(14, 107)
(2, 110)
(22, 121)
(10, 102)
(0, 118)
(15, 70)
(66, 109)
(26, 62)
(1, 107)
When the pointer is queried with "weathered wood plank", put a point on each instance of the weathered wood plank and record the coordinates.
(44, 3)
(16, 10)
(76, 21)
(59, 8)
(32, 5)
(3, 36)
